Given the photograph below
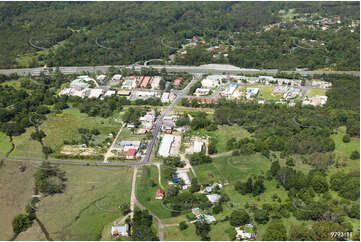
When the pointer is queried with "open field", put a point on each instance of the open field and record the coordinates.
(60, 127)
(91, 201)
(232, 168)
(315, 92)
(127, 134)
(173, 233)
(225, 133)
(219, 231)
(265, 92)
(33, 233)
(5, 145)
(345, 149)
(15, 193)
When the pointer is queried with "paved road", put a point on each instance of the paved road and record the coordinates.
(76, 162)
(210, 68)
(159, 121)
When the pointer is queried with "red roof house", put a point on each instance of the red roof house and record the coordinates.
(177, 82)
(131, 153)
(145, 81)
(159, 194)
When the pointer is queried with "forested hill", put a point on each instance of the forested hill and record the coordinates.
(95, 33)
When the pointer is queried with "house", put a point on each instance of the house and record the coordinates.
(131, 153)
(209, 189)
(184, 176)
(197, 146)
(159, 194)
(95, 93)
(165, 145)
(126, 145)
(117, 77)
(168, 125)
(201, 91)
(123, 93)
(146, 80)
(145, 94)
(315, 101)
(120, 230)
(205, 218)
(109, 93)
(130, 82)
(213, 198)
(102, 78)
(242, 235)
(210, 82)
(115, 80)
(156, 82)
(177, 82)
(230, 89)
(196, 211)
(80, 83)
(165, 97)
(253, 92)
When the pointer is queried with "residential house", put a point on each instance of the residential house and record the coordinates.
(126, 145)
(197, 146)
(184, 176)
(201, 91)
(156, 82)
(205, 218)
(131, 153)
(177, 82)
(165, 97)
(120, 230)
(116, 79)
(101, 79)
(315, 101)
(242, 235)
(213, 198)
(95, 92)
(109, 93)
(159, 194)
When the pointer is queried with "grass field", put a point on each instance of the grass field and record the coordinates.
(146, 193)
(175, 234)
(225, 133)
(15, 193)
(60, 127)
(232, 168)
(127, 134)
(315, 92)
(91, 201)
(5, 145)
(265, 92)
(33, 233)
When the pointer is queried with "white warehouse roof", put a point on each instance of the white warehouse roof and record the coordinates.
(165, 145)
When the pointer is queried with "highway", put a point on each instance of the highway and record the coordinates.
(210, 68)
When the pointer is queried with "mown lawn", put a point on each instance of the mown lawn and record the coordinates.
(173, 233)
(265, 92)
(232, 168)
(92, 200)
(315, 92)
